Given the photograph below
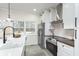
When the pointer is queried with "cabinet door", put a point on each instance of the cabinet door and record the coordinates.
(64, 50)
(65, 54)
(59, 53)
(77, 43)
(77, 30)
(77, 14)
(68, 15)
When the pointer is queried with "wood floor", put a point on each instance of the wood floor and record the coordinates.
(35, 50)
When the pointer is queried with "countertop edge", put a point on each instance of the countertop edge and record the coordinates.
(64, 40)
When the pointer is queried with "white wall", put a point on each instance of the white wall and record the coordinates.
(23, 16)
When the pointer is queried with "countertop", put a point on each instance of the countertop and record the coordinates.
(13, 47)
(53, 41)
(62, 39)
(12, 52)
(65, 40)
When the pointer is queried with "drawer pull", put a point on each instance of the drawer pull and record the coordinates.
(75, 21)
(75, 34)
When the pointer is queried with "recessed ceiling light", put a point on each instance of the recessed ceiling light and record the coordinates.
(34, 9)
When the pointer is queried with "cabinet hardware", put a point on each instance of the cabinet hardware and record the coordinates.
(75, 21)
(75, 34)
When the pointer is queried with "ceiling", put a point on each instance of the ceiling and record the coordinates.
(28, 7)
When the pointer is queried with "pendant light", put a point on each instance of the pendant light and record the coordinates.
(8, 19)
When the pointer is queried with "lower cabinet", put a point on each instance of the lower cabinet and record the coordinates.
(64, 49)
(31, 40)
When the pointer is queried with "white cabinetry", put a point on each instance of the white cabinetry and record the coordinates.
(76, 37)
(64, 50)
(31, 39)
(77, 43)
(68, 15)
(77, 13)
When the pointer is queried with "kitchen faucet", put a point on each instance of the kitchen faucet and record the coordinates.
(4, 31)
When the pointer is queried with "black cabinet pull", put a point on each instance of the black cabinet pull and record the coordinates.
(75, 21)
(75, 34)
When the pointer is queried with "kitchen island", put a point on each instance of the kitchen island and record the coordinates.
(13, 47)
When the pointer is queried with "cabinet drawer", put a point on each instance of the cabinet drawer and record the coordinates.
(66, 49)
(66, 54)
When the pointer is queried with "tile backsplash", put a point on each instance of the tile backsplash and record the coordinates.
(60, 31)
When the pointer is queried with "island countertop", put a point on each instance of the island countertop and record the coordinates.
(13, 47)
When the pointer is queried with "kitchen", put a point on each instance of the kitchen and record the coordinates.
(51, 26)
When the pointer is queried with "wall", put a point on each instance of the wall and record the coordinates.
(23, 16)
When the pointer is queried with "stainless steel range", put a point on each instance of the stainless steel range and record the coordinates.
(51, 45)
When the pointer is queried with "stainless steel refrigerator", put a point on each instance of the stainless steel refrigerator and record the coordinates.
(41, 35)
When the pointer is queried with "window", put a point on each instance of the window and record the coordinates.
(18, 26)
(30, 26)
(1, 25)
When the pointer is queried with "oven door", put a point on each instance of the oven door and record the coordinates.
(52, 48)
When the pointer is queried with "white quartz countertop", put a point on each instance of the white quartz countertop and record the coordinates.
(13, 47)
(11, 52)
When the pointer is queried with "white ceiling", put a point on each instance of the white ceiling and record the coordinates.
(28, 7)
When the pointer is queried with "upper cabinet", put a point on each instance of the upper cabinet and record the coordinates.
(77, 15)
(69, 15)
